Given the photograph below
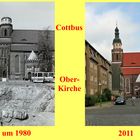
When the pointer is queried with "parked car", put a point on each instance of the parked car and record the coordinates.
(120, 101)
(42, 77)
(49, 77)
(38, 77)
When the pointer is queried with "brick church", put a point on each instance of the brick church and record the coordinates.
(18, 50)
(126, 68)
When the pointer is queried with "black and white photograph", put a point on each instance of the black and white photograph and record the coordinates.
(27, 64)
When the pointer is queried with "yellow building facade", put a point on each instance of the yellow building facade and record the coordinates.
(98, 71)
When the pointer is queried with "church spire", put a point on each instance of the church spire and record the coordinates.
(116, 33)
(117, 51)
(116, 23)
(117, 39)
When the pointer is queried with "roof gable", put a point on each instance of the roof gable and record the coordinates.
(32, 56)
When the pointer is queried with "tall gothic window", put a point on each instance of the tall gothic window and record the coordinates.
(17, 64)
(4, 74)
(5, 32)
(117, 57)
(127, 85)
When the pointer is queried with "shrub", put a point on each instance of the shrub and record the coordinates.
(104, 98)
(107, 94)
(90, 100)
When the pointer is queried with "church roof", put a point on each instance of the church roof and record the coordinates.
(30, 37)
(25, 36)
(131, 63)
(130, 71)
(131, 59)
(32, 56)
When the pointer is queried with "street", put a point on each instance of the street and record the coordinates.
(115, 115)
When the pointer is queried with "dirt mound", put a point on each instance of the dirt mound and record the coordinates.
(25, 101)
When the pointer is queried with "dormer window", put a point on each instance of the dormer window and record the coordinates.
(23, 39)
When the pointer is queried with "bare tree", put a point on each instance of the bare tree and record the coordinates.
(44, 51)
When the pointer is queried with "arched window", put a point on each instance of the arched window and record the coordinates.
(127, 85)
(4, 74)
(117, 57)
(17, 64)
(5, 32)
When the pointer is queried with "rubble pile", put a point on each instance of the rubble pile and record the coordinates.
(26, 105)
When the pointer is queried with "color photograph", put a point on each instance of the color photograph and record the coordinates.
(112, 54)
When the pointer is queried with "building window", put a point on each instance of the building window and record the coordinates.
(5, 32)
(91, 65)
(91, 92)
(91, 78)
(127, 85)
(4, 74)
(90, 51)
(95, 80)
(117, 56)
(17, 64)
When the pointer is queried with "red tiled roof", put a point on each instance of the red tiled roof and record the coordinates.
(131, 59)
(129, 71)
(131, 63)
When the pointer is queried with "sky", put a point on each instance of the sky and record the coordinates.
(101, 20)
(29, 15)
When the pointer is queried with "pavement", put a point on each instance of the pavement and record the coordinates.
(114, 115)
(100, 106)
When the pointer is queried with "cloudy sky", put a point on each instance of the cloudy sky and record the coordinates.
(29, 15)
(101, 21)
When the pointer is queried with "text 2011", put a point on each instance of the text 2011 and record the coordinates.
(125, 133)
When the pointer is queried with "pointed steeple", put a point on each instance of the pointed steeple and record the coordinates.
(117, 39)
(32, 56)
(116, 32)
(117, 51)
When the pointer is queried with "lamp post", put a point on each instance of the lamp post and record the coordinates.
(100, 91)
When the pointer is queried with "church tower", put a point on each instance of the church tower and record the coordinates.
(6, 27)
(117, 51)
